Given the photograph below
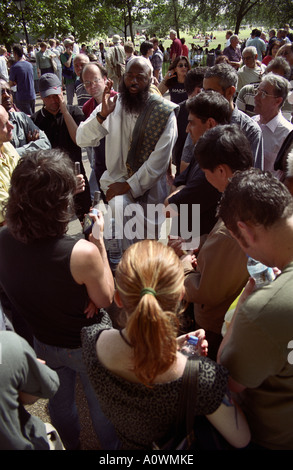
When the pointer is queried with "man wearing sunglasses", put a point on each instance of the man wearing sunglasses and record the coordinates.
(269, 99)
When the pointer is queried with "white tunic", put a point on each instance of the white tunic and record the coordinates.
(150, 178)
(117, 129)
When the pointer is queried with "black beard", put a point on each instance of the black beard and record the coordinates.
(133, 103)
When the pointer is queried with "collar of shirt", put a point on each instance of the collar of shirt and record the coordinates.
(47, 114)
(273, 123)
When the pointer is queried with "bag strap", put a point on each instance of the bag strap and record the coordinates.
(185, 416)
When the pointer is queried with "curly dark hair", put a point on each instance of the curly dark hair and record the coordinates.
(41, 196)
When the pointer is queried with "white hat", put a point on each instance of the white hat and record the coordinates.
(116, 38)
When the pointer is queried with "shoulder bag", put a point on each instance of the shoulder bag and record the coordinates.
(192, 432)
(183, 437)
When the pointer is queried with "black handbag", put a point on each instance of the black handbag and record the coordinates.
(183, 437)
(192, 432)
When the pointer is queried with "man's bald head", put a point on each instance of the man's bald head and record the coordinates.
(135, 86)
(140, 61)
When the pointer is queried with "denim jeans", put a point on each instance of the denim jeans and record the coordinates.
(62, 407)
(70, 90)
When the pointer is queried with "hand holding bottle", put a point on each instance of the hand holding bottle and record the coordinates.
(98, 226)
(202, 344)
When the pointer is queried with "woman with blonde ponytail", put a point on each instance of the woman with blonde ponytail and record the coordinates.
(137, 371)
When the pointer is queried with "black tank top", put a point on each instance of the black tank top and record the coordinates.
(37, 279)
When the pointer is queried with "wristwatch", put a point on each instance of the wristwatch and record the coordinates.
(101, 117)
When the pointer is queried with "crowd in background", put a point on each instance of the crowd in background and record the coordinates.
(174, 127)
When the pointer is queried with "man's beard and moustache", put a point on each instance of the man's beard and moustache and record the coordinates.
(133, 103)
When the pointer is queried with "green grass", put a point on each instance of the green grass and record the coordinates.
(219, 35)
(220, 38)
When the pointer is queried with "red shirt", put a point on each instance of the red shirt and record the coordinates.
(176, 48)
(184, 50)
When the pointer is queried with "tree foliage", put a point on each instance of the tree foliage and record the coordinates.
(89, 19)
(174, 14)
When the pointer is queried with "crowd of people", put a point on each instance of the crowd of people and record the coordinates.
(204, 150)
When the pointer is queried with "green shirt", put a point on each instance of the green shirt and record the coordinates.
(257, 356)
(64, 58)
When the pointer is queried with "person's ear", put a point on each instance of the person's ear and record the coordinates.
(224, 172)
(247, 232)
(230, 92)
(117, 299)
(211, 123)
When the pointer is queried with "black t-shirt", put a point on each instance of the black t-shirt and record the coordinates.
(36, 278)
(178, 92)
(56, 130)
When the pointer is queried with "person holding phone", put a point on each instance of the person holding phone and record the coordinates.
(174, 80)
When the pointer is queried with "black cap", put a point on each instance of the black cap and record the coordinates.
(49, 84)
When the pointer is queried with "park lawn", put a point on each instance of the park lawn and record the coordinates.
(220, 38)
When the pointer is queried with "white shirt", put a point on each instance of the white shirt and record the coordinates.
(118, 129)
(274, 133)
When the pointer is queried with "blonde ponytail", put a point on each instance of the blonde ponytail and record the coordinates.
(150, 280)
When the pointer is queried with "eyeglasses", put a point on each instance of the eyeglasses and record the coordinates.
(140, 77)
(263, 94)
(92, 83)
(248, 57)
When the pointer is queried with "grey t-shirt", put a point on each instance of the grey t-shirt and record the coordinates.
(20, 371)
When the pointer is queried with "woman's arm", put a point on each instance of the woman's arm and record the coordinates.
(231, 423)
(162, 87)
(89, 266)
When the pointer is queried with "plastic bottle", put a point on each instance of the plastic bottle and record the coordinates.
(77, 168)
(88, 223)
(95, 210)
(262, 274)
(96, 201)
(114, 247)
(190, 348)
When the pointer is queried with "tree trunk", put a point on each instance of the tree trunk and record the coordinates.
(130, 21)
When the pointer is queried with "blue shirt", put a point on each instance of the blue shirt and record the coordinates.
(22, 73)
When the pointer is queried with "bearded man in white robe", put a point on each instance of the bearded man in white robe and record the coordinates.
(140, 130)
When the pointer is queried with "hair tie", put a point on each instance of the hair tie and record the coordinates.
(148, 290)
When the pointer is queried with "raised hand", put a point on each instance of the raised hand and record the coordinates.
(108, 103)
